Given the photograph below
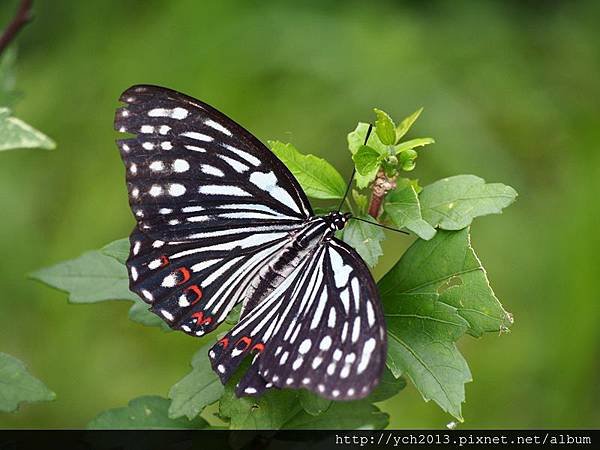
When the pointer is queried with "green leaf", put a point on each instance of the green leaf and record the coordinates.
(415, 184)
(140, 313)
(118, 249)
(148, 412)
(93, 277)
(365, 239)
(387, 388)
(431, 297)
(313, 403)
(17, 385)
(269, 411)
(452, 203)
(405, 125)
(408, 155)
(361, 201)
(421, 338)
(413, 143)
(234, 315)
(402, 207)
(318, 178)
(321, 211)
(356, 139)
(353, 415)
(15, 133)
(408, 166)
(97, 276)
(367, 161)
(385, 127)
(468, 289)
(447, 269)
(199, 388)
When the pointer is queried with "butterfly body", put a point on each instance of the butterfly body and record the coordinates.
(221, 221)
(315, 232)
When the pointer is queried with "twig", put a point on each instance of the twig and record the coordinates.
(381, 186)
(22, 16)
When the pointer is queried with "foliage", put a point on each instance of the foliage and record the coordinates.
(96, 276)
(355, 415)
(143, 412)
(297, 410)
(366, 240)
(17, 385)
(271, 410)
(384, 151)
(14, 133)
(452, 203)
(436, 293)
(199, 388)
(403, 208)
(317, 176)
(92, 277)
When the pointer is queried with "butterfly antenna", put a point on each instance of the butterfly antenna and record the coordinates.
(379, 225)
(354, 171)
(347, 189)
(350, 185)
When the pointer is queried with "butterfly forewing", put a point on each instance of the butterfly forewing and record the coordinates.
(189, 163)
(211, 204)
(220, 220)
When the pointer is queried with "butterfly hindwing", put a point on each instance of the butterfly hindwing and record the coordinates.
(322, 330)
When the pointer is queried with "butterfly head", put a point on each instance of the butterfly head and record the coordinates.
(337, 220)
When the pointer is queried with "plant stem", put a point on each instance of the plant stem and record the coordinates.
(381, 186)
(22, 16)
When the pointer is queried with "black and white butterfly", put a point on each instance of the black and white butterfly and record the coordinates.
(222, 221)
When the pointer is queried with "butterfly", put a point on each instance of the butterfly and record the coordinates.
(221, 221)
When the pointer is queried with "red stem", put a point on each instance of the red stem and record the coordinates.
(375, 205)
(381, 186)
(22, 16)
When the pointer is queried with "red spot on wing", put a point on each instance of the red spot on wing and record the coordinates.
(200, 319)
(244, 340)
(224, 342)
(164, 261)
(185, 273)
(258, 347)
(195, 289)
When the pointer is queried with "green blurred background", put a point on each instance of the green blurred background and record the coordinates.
(511, 93)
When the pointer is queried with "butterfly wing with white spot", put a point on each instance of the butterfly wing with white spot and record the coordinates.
(322, 329)
(190, 167)
(213, 205)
